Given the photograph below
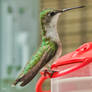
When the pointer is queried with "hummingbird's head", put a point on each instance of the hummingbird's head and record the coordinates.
(49, 18)
(47, 15)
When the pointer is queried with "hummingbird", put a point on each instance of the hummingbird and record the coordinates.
(50, 48)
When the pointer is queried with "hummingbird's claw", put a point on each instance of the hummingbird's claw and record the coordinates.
(48, 72)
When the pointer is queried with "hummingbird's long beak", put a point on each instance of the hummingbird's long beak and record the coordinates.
(67, 9)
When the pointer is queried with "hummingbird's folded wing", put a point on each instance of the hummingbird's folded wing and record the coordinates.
(47, 56)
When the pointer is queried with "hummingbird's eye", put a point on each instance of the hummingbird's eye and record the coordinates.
(51, 14)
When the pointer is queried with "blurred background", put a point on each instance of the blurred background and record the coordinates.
(20, 34)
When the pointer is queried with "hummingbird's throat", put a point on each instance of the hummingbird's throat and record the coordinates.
(51, 29)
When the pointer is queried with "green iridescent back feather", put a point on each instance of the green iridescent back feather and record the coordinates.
(36, 58)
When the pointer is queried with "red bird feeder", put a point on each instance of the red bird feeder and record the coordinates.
(68, 63)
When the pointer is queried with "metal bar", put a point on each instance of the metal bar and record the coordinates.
(0, 43)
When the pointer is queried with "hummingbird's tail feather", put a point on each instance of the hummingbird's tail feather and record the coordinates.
(16, 82)
(27, 77)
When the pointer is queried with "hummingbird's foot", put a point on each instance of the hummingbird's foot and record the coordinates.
(49, 72)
